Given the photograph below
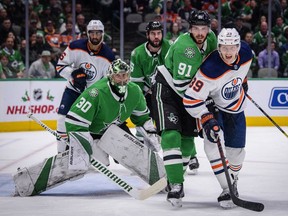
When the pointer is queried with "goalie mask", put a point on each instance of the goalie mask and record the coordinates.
(119, 75)
(95, 27)
(228, 44)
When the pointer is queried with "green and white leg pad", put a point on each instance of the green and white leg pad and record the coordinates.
(132, 154)
(51, 172)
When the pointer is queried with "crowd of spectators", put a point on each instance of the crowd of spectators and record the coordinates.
(249, 17)
(50, 27)
(50, 32)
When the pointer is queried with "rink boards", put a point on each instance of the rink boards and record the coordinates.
(42, 97)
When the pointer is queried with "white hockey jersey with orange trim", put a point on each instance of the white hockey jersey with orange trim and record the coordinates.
(221, 82)
(77, 55)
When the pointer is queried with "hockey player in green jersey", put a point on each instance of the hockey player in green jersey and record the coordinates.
(112, 100)
(176, 126)
(144, 60)
(93, 134)
(146, 57)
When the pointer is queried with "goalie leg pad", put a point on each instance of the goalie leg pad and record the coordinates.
(50, 173)
(132, 154)
(80, 150)
(99, 154)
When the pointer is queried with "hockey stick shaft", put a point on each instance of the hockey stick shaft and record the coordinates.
(140, 194)
(254, 206)
(251, 99)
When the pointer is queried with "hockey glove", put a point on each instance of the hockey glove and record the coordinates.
(151, 139)
(210, 104)
(245, 85)
(79, 79)
(210, 126)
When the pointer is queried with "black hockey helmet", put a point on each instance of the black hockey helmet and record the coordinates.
(155, 25)
(199, 18)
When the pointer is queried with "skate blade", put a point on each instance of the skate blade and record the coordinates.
(192, 172)
(227, 204)
(175, 202)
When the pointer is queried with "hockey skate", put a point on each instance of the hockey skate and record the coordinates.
(167, 189)
(225, 200)
(193, 166)
(175, 195)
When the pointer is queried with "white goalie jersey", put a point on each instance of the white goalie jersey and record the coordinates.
(221, 82)
(78, 54)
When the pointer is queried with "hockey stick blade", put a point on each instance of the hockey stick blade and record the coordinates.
(139, 194)
(253, 206)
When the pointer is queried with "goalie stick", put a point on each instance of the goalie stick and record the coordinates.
(139, 194)
(254, 206)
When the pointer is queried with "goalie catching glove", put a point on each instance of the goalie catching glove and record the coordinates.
(79, 79)
(151, 139)
(210, 126)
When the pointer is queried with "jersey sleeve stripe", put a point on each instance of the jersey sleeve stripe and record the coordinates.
(138, 79)
(192, 103)
(73, 116)
(60, 68)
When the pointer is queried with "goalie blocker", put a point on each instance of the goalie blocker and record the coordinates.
(56, 170)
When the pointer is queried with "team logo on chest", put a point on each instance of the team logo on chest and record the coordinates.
(189, 52)
(230, 89)
(90, 70)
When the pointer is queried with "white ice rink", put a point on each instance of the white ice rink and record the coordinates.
(264, 178)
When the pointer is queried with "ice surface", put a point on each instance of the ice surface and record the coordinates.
(263, 178)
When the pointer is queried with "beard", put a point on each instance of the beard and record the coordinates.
(154, 44)
(198, 40)
(95, 41)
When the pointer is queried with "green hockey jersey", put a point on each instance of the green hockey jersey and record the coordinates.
(184, 58)
(98, 107)
(143, 64)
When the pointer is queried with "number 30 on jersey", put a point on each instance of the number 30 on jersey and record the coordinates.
(83, 105)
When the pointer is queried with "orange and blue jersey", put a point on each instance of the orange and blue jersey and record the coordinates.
(221, 82)
(94, 63)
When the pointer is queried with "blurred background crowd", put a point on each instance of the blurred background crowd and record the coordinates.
(50, 29)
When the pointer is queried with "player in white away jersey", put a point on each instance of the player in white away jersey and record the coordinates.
(82, 63)
(223, 77)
